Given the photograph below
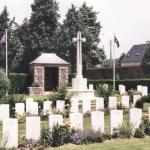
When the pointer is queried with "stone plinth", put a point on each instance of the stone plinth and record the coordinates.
(81, 93)
(79, 83)
(36, 90)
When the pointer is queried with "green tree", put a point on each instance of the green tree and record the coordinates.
(146, 60)
(4, 24)
(85, 20)
(43, 26)
(15, 47)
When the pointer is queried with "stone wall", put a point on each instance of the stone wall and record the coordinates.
(39, 76)
(63, 75)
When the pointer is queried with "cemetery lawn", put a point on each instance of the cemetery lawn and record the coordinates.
(117, 144)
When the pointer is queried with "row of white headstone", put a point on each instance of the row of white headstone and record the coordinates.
(10, 126)
(32, 107)
(112, 103)
(142, 89)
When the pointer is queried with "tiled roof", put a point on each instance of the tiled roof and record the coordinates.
(135, 54)
(48, 58)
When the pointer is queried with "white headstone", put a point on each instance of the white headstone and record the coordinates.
(76, 120)
(112, 102)
(144, 91)
(86, 105)
(60, 105)
(32, 127)
(122, 89)
(35, 109)
(91, 87)
(54, 120)
(4, 111)
(28, 105)
(135, 117)
(97, 121)
(19, 108)
(47, 107)
(74, 105)
(10, 132)
(99, 103)
(116, 119)
(135, 99)
(125, 101)
(139, 88)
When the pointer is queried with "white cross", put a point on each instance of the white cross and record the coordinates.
(79, 41)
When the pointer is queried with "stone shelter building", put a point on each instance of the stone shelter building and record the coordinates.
(49, 71)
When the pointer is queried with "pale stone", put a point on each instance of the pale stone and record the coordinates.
(135, 117)
(139, 88)
(144, 91)
(10, 132)
(116, 119)
(135, 99)
(19, 108)
(76, 120)
(91, 87)
(54, 120)
(86, 105)
(33, 127)
(99, 103)
(60, 105)
(35, 109)
(97, 121)
(125, 101)
(28, 105)
(47, 107)
(74, 105)
(4, 111)
(112, 102)
(122, 89)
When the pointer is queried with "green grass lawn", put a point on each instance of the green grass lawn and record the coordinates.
(118, 144)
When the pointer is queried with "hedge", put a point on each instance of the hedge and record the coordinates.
(130, 83)
(18, 82)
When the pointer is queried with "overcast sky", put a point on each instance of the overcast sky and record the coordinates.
(128, 19)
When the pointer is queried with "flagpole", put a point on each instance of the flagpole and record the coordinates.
(6, 54)
(114, 69)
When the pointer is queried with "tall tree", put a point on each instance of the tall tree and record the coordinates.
(15, 47)
(43, 26)
(85, 20)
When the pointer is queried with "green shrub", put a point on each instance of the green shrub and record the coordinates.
(60, 135)
(144, 99)
(139, 133)
(93, 136)
(18, 82)
(139, 104)
(147, 129)
(4, 84)
(46, 136)
(35, 84)
(126, 129)
(57, 137)
(106, 136)
(129, 83)
(145, 125)
(104, 90)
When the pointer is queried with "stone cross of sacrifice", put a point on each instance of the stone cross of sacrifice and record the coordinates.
(79, 41)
